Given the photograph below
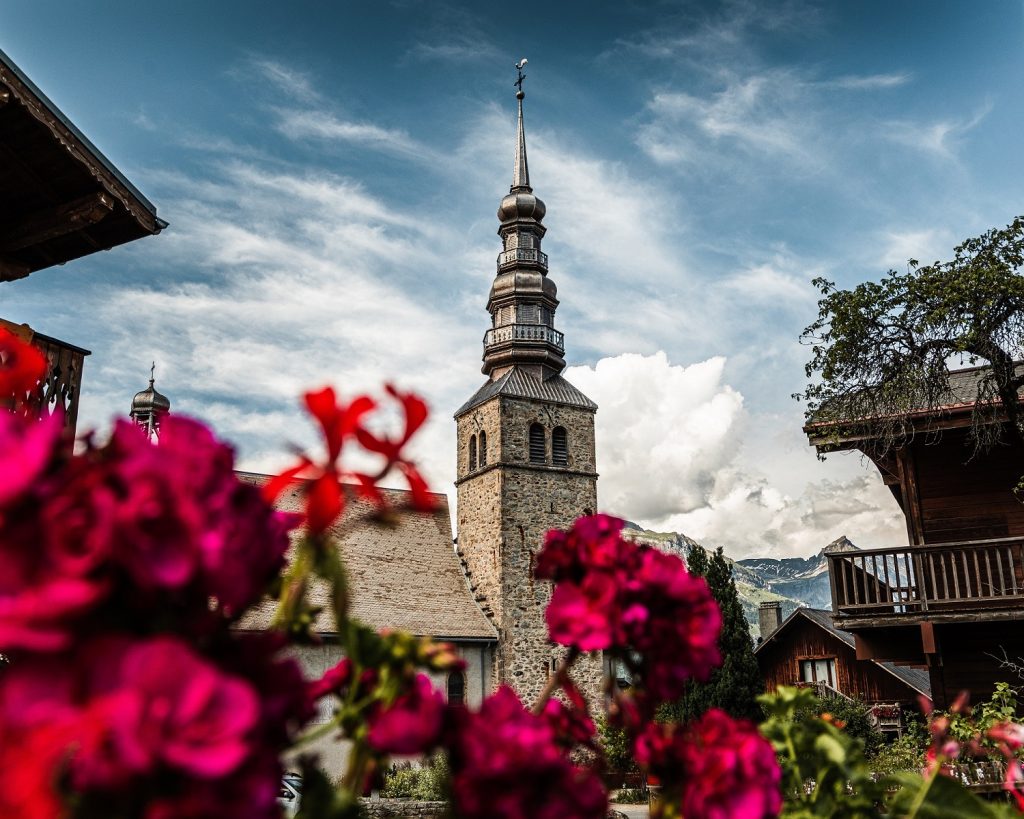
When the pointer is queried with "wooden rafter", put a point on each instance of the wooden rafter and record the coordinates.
(50, 223)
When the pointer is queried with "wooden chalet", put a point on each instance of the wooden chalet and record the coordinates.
(60, 199)
(807, 649)
(953, 598)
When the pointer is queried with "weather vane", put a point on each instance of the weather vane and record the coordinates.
(519, 80)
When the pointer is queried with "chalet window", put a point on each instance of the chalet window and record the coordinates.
(819, 671)
(547, 316)
(456, 688)
(472, 452)
(559, 447)
(483, 448)
(538, 445)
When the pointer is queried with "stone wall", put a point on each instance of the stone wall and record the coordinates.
(504, 510)
(402, 809)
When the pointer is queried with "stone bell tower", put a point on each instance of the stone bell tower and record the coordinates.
(526, 459)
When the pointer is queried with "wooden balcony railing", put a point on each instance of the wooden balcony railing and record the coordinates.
(59, 391)
(972, 575)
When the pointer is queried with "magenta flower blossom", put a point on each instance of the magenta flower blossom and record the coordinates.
(168, 707)
(507, 764)
(613, 594)
(719, 767)
(412, 724)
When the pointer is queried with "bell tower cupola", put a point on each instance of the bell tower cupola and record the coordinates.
(523, 298)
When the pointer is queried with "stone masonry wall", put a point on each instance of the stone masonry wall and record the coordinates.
(504, 511)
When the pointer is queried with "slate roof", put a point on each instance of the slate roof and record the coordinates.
(402, 576)
(518, 383)
(915, 678)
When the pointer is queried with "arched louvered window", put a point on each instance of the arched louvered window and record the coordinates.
(538, 446)
(559, 447)
(483, 448)
(472, 452)
(456, 688)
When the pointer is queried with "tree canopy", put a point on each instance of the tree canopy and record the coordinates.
(882, 351)
(736, 684)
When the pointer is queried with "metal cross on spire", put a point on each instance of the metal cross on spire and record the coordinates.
(152, 373)
(519, 80)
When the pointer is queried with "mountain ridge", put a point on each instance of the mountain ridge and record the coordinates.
(791, 581)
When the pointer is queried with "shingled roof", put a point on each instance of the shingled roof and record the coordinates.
(915, 678)
(404, 575)
(518, 383)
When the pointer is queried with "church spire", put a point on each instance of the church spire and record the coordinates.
(523, 298)
(521, 172)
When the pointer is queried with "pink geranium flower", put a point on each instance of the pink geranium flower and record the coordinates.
(412, 724)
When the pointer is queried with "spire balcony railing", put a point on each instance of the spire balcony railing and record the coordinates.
(915, 581)
(525, 332)
(515, 255)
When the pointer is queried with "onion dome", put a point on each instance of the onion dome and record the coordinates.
(149, 405)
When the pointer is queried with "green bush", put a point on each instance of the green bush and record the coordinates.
(906, 753)
(853, 717)
(614, 742)
(428, 783)
(631, 796)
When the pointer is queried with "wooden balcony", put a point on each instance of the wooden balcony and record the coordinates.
(60, 390)
(947, 582)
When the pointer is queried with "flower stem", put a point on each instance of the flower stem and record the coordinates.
(555, 680)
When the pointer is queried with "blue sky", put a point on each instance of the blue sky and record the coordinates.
(331, 173)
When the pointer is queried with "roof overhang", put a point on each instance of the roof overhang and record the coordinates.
(60, 197)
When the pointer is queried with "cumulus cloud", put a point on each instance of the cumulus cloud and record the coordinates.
(671, 454)
(664, 431)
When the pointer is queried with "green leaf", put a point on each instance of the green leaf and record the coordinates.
(945, 798)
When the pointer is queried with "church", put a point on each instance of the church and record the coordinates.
(526, 463)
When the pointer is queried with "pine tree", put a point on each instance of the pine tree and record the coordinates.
(735, 685)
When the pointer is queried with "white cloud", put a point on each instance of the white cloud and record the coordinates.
(300, 124)
(672, 454)
(285, 78)
(663, 431)
(940, 138)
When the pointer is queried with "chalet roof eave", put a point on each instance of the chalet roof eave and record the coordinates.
(78, 143)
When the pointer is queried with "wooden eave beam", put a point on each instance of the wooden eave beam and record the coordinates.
(11, 270)
(51, 223)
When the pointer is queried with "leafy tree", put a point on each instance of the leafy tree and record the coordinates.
(881, 349)
(736, 684)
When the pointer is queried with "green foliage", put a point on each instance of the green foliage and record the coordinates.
(905, 753)
(428, 783)
(631, 796)
(734, 687)
(939, 797)
(824, 770)
(852, 717)
(967, 723)
(881, 349)
(614, 742)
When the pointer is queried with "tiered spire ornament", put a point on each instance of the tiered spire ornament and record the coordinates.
(523, 299)
(149, 407)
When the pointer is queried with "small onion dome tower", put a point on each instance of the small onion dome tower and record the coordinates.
(523, 299)
(149, 407)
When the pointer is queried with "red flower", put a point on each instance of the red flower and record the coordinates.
(412, 723)
(334, 681)
(22, 367)
(717, 768)
(507, 764)
(325, 499)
